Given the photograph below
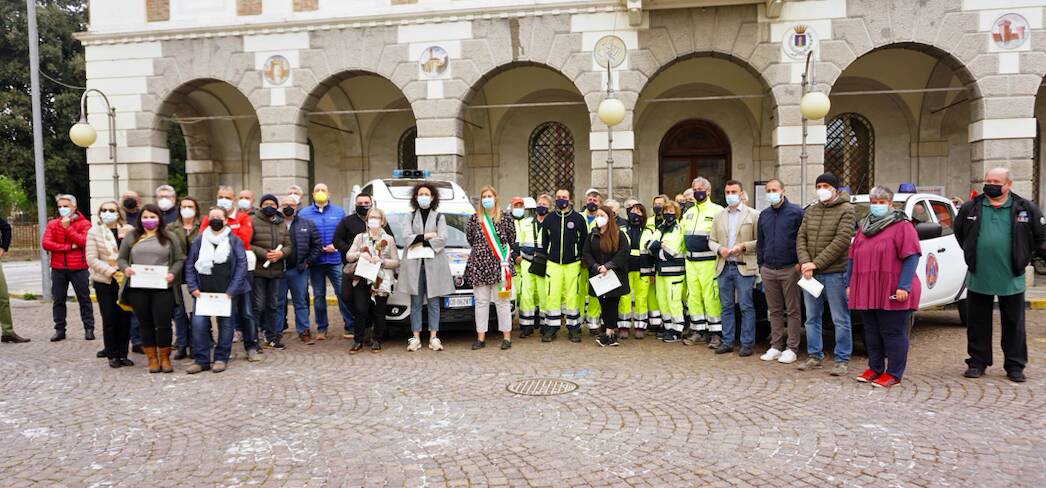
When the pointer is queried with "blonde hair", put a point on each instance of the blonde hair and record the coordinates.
(497, 201)
(119, 215)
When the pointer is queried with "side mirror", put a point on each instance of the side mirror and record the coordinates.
(928, 230)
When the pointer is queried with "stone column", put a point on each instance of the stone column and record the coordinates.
(141, 169)
(1007, 143)
(440, 145)
(624, 151)
(787, 140)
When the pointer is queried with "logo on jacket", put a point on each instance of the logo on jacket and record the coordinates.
(1022, 217)
(570, 225)
(932, 270)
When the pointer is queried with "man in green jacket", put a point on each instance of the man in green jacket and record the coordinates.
(823, 246)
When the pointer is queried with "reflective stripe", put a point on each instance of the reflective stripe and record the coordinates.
(700, 254)
(671, 269)
(698, 233)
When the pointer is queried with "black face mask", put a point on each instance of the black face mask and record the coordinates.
(362, 210)
(130, 203)
(635, 219)
(541, 210)
(288, 211)
(216, 225)
(993, 191)
(269, 211)
(670, 219)
(700, 195)
(658, 209)
(591, 206)
(562, 203)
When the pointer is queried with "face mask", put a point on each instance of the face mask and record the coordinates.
(591, 206)
(879, 209)
(733, 200)
(541, 210)
(225, 203)
(362, 210)
(244, 204)
(517, 213)
(488, 202)
(993, 191)
(109, 217)
(562, 203)
(773, 198)
(824, 194)
(373, 223)
(700, 195)
(635, 219)
(130, 203)
(165, 204)
(670, 218)
(320, 197)
(658, 209)
(269, 211)
(296, 198)
(424, 201)
(288, 211)
(602, 221)
(150, 224)
(216, 225)
(65, 211)
(188, 213)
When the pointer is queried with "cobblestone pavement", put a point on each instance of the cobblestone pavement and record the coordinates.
(644, 414)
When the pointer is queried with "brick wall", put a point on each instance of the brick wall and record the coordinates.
(157, 10)
(248, 7)
(306, 5)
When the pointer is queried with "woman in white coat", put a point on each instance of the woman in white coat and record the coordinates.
(426, 280)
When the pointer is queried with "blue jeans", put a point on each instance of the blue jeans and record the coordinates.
(730, 282)
(319, 274)
(835, 292)
(202, 341)
(181, 325)
(298, 284)
(136, 333)
(243, 320)
(416, 303)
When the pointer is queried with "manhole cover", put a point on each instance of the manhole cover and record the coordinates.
(542, 387)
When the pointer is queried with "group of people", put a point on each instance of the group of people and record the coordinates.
(684, 266)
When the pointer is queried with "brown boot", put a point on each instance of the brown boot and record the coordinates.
(152, 354)
(165, 360)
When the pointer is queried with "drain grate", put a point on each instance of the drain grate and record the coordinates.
(542, 387)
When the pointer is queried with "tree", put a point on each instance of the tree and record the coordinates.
(176, 169)
(61, 57)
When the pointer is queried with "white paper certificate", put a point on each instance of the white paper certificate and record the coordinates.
(367, 270)
(213, 305)
(812, 286)
(420, 252)
(154, 277)
(603, 284)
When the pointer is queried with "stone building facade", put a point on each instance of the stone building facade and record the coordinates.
(275, 92)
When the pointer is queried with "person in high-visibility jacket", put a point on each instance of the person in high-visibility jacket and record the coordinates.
(669, 252)
(654, 221)
(633, 308)
(530, 286)
(702, 291)
(589, 306)
(563, 234)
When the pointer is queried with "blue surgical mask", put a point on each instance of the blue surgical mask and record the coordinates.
(517, 213)
(488, 202)
(65, 211)
(879, 209)
(424, 201)
(733, 200)
(773, 198)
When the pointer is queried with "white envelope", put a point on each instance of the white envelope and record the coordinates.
(213, 305)
(420, 252)
(603, 284)
(151, 277)
(367, 270)
(812, 286)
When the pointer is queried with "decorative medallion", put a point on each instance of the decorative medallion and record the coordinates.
(277, 69)
(434, 61)
(1010, 31)
(798, 41)
(609, 49)
(933, 270)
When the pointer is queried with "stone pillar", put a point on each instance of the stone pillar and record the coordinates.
(1007, 143)
(141, 169)
(787, 140)
(624, 154)
(285, 164)
(443, 156)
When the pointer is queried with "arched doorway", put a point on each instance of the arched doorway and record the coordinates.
(690, 149)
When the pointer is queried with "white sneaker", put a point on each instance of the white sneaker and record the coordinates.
(435, 344)
(771, 355)
(787, 357)
(413, 344)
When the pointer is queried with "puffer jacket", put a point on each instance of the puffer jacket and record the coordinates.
(103, 250)
(305, 244)
(66, 244)
(825, 234)
(268, 235)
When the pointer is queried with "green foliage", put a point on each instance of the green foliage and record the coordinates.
(176, 169)
(12, 196)
(61, 57)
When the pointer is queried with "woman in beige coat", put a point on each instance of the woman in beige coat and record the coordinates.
(103, 245)
(367, 299)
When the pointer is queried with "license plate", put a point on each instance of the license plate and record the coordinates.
(457, 302)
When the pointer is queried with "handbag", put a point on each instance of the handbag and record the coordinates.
(539, 265)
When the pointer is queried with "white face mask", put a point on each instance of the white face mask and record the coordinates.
(602, 221)
(165, 204)
(225, 203)
(188, 213)
(373, 223)
(244, 204)
(296, 198)
(109, 217)
(824, 194)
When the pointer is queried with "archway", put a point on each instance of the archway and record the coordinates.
(693, 148)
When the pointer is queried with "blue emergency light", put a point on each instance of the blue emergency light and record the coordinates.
(906, 188)
(411, 173)
(844, 189)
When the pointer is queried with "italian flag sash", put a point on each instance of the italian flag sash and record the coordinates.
(500, 252)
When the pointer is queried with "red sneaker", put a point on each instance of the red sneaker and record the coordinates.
(885, 381)
(867, 376)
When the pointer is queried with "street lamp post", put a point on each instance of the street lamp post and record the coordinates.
(611, 112)
(38, 143)
(83, 134)
(813, 105)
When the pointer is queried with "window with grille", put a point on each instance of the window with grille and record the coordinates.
(407, 158)
(849, 152)
(551, 158)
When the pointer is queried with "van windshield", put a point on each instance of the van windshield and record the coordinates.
(399, 221)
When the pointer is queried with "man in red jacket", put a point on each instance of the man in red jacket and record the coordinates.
(65, 238)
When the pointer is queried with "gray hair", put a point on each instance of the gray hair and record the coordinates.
(1005, 172)
(65, 196)
(689, 192)
(226, 188)
(614, 204)
(881, 193)
(164, 188)
(295, 187)
(700, 180)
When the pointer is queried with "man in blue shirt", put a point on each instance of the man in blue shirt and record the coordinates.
(325, 216)
(778, 266)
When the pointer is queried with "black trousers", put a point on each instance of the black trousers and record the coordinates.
(608, 312)
(60, 281)
(116, 322)
(369, 314)
(154, 309)
(264, 293)
(979, 331)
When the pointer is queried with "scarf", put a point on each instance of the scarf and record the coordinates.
(214, 249)
(500, 251)
(871, 225)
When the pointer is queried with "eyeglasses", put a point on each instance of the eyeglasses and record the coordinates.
(109, 210)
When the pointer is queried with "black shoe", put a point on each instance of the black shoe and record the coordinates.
(671, 336)
(526, 331)
(126, 362)
(745, 351)
(375, 346)
(180, 353)
(603, 341)
(101, 354)
(548, 335)
(137, 349)
(357, 346)
(59, 335)
(575, 335)
(506, 344)
(1016, 376)
(13, 338)
(973, 372)
(593, 332)
(115, 363)
(478, 345)
(89, 335)
(725, 348)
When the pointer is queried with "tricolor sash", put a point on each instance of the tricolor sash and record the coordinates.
(500, 252)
